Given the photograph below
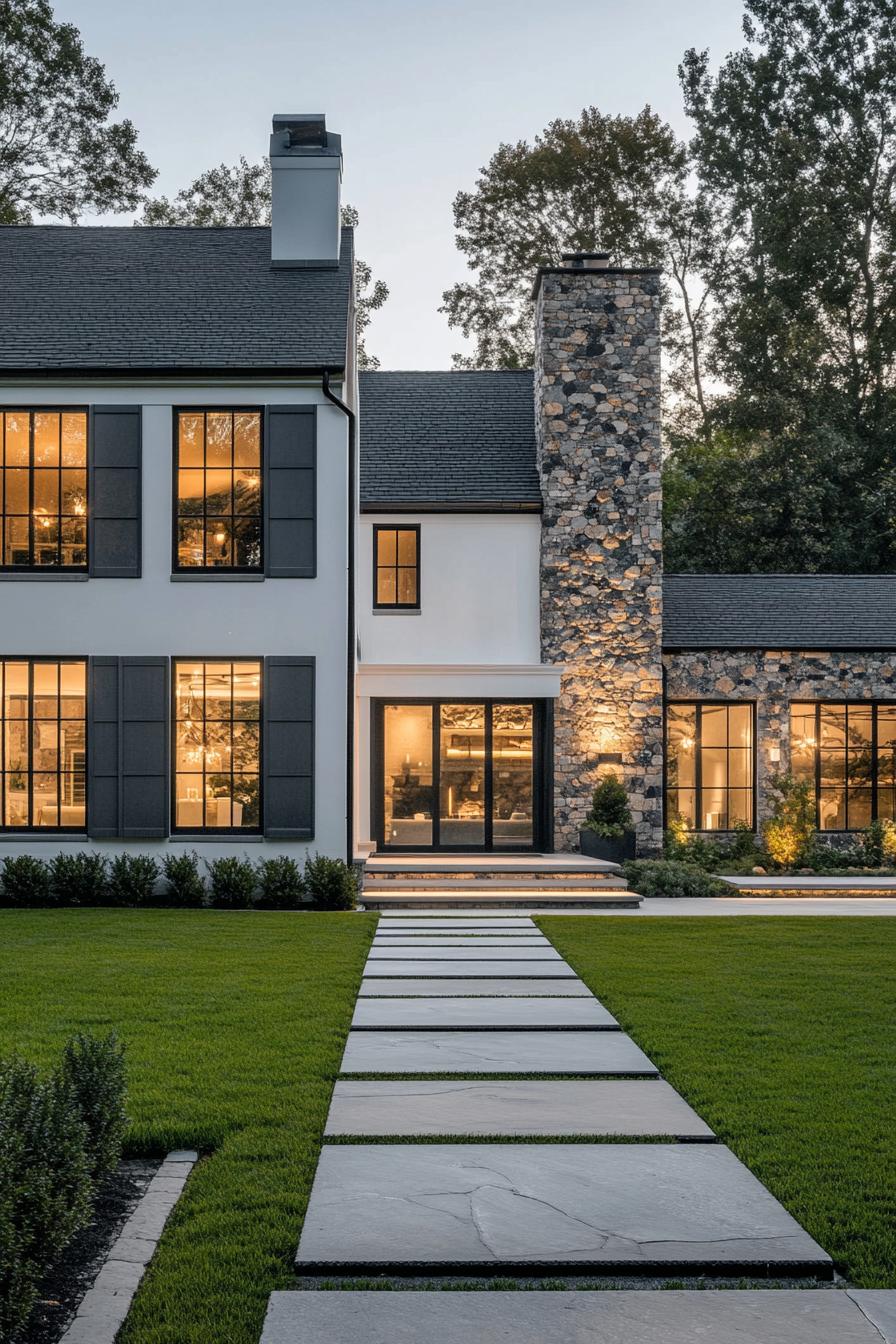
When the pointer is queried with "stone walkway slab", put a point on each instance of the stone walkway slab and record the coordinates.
(477, 940)
(785, 1316)
(483, 1013)
(517, 1208)
(469, 952)
(473, 1052)
(380, 988)
(879, 1306)
(516, 969)
(457, 925)
(518, 1108)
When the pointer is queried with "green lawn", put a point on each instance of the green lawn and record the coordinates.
(782, 1034)
(235, 1025)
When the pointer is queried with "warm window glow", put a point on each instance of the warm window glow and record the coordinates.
(709, 766)
(396, 566)
(847, 752)
(43, 489)
(42, 751)
(219, 490)
(217, 745)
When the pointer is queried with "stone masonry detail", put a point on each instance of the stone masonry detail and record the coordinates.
(773, 680)
(597, 413)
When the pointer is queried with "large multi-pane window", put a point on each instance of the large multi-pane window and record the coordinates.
(396, 567)
(43, 744)
(218, 493)
(43, 489)
(710, 765)
(217, 745)
(847, 752)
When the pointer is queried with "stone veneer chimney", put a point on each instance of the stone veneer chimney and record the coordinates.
(597, 416)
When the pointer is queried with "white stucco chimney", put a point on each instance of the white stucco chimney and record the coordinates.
(306, 185)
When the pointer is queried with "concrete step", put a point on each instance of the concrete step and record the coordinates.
(503, 900)
(466, 884)
(488, 864)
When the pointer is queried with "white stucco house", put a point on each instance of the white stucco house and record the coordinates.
(249, 597)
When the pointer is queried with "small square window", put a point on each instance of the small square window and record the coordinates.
(396, 568)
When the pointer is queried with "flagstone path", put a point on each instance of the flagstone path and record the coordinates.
(492, 1119)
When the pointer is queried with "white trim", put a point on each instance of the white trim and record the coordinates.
(463, 679)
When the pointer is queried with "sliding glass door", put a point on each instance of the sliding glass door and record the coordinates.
(458, 774)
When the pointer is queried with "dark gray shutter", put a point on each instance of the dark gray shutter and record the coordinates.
(290, 492)
(127, 787)
(114, 492)
(288, 710)
(103, 737)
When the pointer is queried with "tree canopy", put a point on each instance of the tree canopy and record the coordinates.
(60, 155)
(776, 230)
(240, 194)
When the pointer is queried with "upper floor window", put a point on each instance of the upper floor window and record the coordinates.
(43, 489)
(43, 734)
(217, 745)
(847, 752)
(396, 567)
(218, 503)
(710, 765)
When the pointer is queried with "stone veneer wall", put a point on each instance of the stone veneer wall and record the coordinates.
(773, 680)
(597, 414)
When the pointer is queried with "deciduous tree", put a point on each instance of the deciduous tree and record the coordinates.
(60, 155)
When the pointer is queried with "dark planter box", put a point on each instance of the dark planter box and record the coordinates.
(594, 846)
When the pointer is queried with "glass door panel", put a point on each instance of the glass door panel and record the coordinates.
(407, 775)
(513, 791)
(462, 759)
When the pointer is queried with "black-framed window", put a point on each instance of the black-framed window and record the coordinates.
(710, 764)
(847, 752)
(218, 502)
(43, 489)
(396, 567)
(43, 744)
(217, 744)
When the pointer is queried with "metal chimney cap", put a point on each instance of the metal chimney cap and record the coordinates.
(588, 261)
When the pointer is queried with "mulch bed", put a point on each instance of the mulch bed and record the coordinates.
(70, 1278)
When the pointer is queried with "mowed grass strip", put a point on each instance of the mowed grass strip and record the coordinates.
(781, 1033)
(235, 1025)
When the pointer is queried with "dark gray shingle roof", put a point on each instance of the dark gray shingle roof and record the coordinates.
(179, 298)
(460, 440)
(779, 611)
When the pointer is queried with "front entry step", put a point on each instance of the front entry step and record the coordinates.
(497, 881)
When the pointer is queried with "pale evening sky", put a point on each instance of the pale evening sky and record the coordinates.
(422, 94)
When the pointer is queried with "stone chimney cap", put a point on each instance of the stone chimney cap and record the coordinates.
(583, 263)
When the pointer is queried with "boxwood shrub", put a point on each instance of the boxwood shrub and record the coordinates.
(184, 884)
(280, 884)
(233, 882)
(132, 880)
(664, 877)
(78, 879)
(56, 1135)
(24, 880)
(331, 884)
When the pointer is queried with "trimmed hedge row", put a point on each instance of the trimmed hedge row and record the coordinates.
(138, 880)
(59, 1137)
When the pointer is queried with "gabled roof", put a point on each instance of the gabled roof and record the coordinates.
(779, 611)
(165, 299)
(451, 441)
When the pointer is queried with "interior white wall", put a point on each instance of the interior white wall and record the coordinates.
(202, 618)
(479, 600)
